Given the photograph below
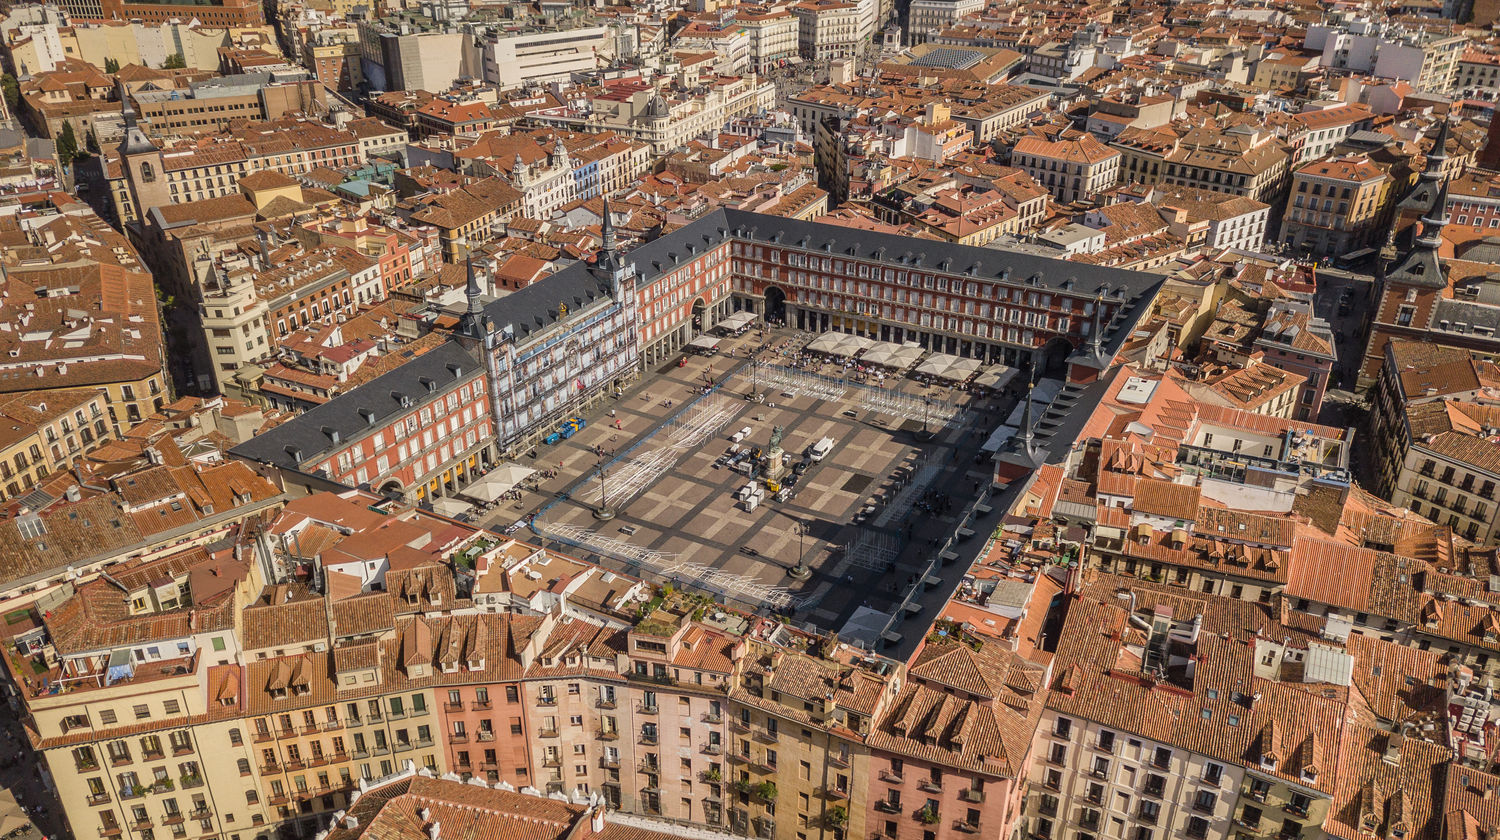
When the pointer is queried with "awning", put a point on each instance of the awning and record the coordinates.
(837, 344)
(703, 344)
(995, 377)
(497, 482)
(448, 506)
(952, 368)
(893, 356)
(737, 321)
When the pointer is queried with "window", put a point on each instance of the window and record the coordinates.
(142, 712)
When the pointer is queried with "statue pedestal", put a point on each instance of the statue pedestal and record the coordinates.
(775, 469)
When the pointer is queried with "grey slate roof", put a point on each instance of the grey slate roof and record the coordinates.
(534, 308)
(310, 434)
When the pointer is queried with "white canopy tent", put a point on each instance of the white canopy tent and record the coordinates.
(995, 377)
(500, 480)
(944, 366)
(841, 345)
(448, 506)
(890, 355)
(703, 344)
(736, 322)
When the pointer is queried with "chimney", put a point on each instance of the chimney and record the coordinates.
(596, 819)
(434, 831)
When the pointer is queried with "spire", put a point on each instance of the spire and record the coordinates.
(1435, 218)
(1096, 335)
(1025, 432)
(1439, 153)
(135, 141)
(472, 292)
(608, 228)
(127, 108)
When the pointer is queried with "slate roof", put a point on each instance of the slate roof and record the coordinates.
(305, 434)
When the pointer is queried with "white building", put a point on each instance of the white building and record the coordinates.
(773, 36)
(827, 29)
(929, 17)
(512, 60)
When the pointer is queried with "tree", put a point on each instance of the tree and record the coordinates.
(91, 142)
(111, 66)
(67, 144)
(175, 61)
(12, 90)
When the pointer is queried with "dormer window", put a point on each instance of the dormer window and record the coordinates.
(1268, 762)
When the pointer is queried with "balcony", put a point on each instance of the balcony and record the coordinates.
(546, 700)
(549, 732)
(965, 827)
(839, 760)
(609, 735)
(609, 763)
(971, 795)
(766, 736)
(1089, 821)
(331, 725)
(1047, 807)
(173, 819)
(191, 782)
(199, 813)
(646, 708)
(648, 740)
(711, 717)
(649, 767)
(424, 743)
(458, 737)
(1104, 746)
(1203, 807)
(142, 825)
(739, 726)
(98, 798)
(930, 786)
(153, 755)
(830, 792)
(1245, 822)
(1295, 809)
(453, 707)
(713, 749)
(604, 703)
(552, 761)
(110, 831)
(480, 705)
(119, 760)
(278, 799)
(268, 769)
(485, 735)
(890, 776)
(181, 749)
(888, 806)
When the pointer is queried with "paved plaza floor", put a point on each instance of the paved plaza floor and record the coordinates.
(676, 512)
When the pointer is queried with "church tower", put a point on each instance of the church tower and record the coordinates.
(608, 264)
(142, 164)
(1411, 288)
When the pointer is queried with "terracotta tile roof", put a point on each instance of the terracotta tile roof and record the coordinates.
(301, 620)
(363, 615)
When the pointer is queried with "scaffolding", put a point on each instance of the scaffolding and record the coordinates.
(738, 586)
(634, 555)
(799, 383)
(874, 551)
(689, 430)
(902, 504)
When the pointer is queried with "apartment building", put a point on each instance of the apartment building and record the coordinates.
(46, 433)
(104, 302)
(1432, 408)
(929, 17)
(513, 59)
(774, 33)
(1071, 169)
(827, 29)
(1339, 205)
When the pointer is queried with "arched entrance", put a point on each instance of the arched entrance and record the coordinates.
(775, 304)
(392, 489)
(1052, 358)
(700, 310)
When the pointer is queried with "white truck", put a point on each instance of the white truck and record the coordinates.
(820, 450)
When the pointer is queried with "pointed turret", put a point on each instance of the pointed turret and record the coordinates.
(473, 320)
(135, 141)
(1421, 266)
(1437, 157)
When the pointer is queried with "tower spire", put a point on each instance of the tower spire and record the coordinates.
(472, 290)
(1025, 433)
(608, 228)
(1096, 337)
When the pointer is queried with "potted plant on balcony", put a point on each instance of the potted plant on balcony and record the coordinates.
(744, 786)
(928, 815)
(190, 779)
(766, 791)
(713, 775)
(837, 816)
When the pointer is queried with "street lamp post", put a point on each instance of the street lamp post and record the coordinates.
(800, 571)
(603, 512)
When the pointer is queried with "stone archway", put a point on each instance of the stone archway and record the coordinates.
(700, 319)
(775, 304)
